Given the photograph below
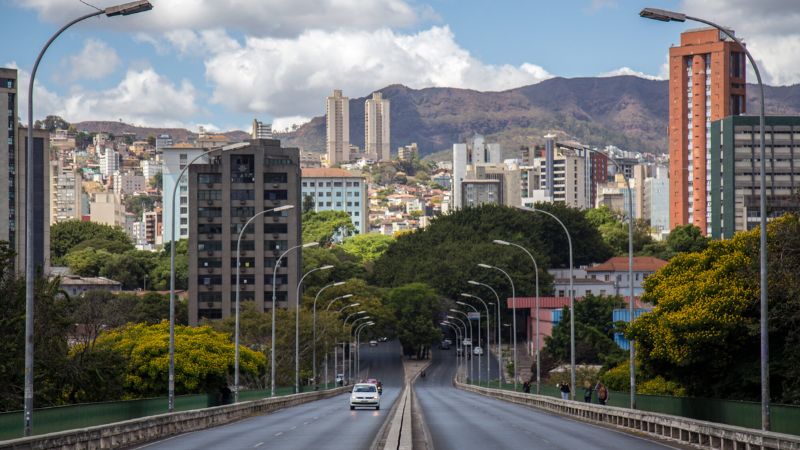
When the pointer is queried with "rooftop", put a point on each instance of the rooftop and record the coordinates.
(329, 172)
(620, 264)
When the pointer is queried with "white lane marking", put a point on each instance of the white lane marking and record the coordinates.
(306, 423)
(293, 428)
(279, 433)
(258, 445)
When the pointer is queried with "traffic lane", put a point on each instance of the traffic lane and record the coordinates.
(462, 420)
(325, 423)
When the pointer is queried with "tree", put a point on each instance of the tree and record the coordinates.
(614, 229)
(416, 308)
(308, 203)
(51, 124)
(64, 236)
(137, 204)
(151, 140)
(367, 247)
(157, 181)
(204, 358)
(325, 226)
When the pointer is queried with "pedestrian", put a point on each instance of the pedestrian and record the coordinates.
(526, 387)
(602, 393)
(564, 387)
(587, 391)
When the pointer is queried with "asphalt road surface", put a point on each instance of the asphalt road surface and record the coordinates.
(462, 420)
(323, 424)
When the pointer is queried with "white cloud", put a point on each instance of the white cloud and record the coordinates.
(285, 77)
(768, 27)
(142, 97)
(259, 17)
(280, 124)
(95, 61)
(629, 71)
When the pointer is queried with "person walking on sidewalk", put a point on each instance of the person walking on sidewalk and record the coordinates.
(564, 387)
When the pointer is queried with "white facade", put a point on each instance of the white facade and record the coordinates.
(569, 174)
(337, 122)
(150, 168)
(338, 190)
(377, 126)
(174, 160)
(468, 156)
(109, 162)
(656, 198)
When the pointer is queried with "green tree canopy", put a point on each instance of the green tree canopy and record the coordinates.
(614, 230)
(325, 226)
(417, 307)
(367, 247)
(64, 236)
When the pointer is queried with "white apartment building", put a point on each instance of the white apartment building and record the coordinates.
(174, 159)
(337, 124)
(466, 157)
(107, 208)
(150, 168)
(65, 193)
(564, 177)
(333, 189)
(377, 126)
(129, 183)
(109, 162)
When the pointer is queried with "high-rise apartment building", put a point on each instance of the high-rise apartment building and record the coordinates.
(66, 192)
(261, 130)
(706, 83)
(174, 159)
(223, 195)
(466, 157)
(331, 189)
(337, 120)
(408, 152)
(377, 126)
(735, 171)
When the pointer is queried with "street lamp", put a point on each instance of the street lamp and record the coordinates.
(666, 16)
(171, 376)
(344, 326)
(30, 269)
(499, 339)
(358, 344)
(474, 309)
(335, 352)
(467, 334)
(536, 271)
(297, 329)
(459, 343)
(274, 300)
(571, 299)
(488, 371)
(238, 270)
(458, 339)
(350, 362)
(314, 326)
(513, 316)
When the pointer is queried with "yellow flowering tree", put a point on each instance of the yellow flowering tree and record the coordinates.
(204, 358)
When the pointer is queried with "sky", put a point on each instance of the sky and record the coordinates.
(221, 63)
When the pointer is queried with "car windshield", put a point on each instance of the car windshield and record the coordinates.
(365, 388)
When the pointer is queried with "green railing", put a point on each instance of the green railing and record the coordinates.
(785, 418)
(68, 417)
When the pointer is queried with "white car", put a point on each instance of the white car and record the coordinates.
(477, 351)
(365, 394)
(373, 343)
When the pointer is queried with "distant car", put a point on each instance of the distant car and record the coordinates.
(383, 339)
(444, 345)
(477, 351)
(459, 351)
(449, 342)
(468, 342)
(340, 379)
(365, 394)
(373, 343)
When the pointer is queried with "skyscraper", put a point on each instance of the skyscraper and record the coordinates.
(706, 83)
(337, 119)
(377, 126)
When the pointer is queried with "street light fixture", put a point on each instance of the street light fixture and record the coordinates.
(571, 298)
(238, 271)
(353, 327)
(274, 301)
(358, 344)
(335, 353)
(513, 316)
(499, 338)
(488, 364)
(474, 309)
(314, 326)
(666, 16)
(535, 271)
(458, 338)
(467, 334)
(30, 269)
(297, 328)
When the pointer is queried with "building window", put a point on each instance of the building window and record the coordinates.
(272, 161)
(243, 194)
(280, 194)
(275, 228)
(277, 177)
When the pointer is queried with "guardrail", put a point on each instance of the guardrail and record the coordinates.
(146, 429)
(696, 433)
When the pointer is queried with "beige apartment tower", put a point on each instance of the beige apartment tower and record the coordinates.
(377, 125)
(337, 118)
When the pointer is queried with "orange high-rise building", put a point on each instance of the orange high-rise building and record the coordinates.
(706, 82)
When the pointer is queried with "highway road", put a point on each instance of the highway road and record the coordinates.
(323, 424)
(462, 420)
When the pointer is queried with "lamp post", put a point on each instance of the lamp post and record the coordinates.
(30, 269)
(499, 338)
(238, 270)
(488, 371)
(350, 362)
(314, 326)
(458, 338)
(358, 344)
(666, 16)
(474, 309)
(467, 334)
(297, 329)
(344, 326)
(536, 271)
(274, 301)
(335, 353)
(571, 299)
(513, 315)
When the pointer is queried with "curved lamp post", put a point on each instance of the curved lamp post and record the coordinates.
(458, 337)
(344, 326)
(335, 352)
(314, 326)
(353, 328)
(474, 309)
(666, 16)
(459, 341)
(513, 317)
(488, 371)
(274, 301)
(536, 271)
(499, 338)
(297, 328)
(238, 270)
(571, 299)
(467, 334)
(358, 344)
(30, 269)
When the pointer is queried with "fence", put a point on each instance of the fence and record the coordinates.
(69, 417)
(785, 418)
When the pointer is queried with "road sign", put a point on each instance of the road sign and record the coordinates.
(473, 315)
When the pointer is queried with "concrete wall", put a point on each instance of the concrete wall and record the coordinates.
(145, 429)
(695, 433)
